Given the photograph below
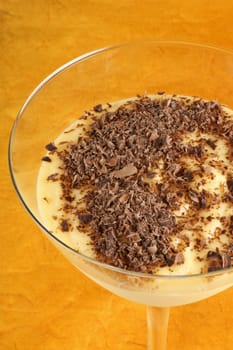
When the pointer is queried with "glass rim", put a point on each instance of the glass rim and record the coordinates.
(33, 94)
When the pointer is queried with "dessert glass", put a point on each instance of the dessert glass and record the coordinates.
(106, 75)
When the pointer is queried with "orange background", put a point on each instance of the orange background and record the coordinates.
(45, 303)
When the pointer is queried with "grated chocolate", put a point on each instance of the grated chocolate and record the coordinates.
(131, 222)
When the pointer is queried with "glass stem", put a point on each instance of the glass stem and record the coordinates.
(157, 324)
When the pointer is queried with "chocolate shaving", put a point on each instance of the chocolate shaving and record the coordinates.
(128, 170)
(217, 261)
(198, 199)
(214, 260)
(98, 108)
(150, 175)
(69, 198)
(194, 196)
(166, 220)
(187, 175)
(211, 143)
(85, 218)
(51, 147)
(46, 159)
(179, 259)
(64, 226)
(202, 202)
(230, 184)
(153, 249)
(226, 261)
(196, 151)
(53, 177)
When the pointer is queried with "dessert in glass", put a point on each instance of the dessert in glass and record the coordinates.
(123, 158)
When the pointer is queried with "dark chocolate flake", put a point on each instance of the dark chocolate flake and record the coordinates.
(53, 177)
(230, 184)
(150, 175)
(128, 170)
(85, 218)
(188, 175)
(226, 261)
(214, 260)
(211, 143)
(153, 249)
(194, 196)
(64, 226)
(179, 259)
(202, 201)
(167, 221)
(68, 131)
(196, 151)
(51, 147)
(46, 159)
(69, 198)
(98, 108)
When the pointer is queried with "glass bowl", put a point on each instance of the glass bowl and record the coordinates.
(107, 75)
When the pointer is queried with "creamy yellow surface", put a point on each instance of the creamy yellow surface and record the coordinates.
(50, 204)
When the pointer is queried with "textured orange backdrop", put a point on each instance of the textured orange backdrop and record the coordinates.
(45, 303)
